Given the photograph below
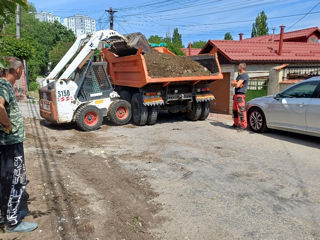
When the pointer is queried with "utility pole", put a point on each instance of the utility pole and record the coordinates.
(18, 21)
(111, 15)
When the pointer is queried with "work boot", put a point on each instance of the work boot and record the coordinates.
(22, 227)
(234, 126)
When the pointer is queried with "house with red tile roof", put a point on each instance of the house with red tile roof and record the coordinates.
(297, 52)
(191, 51)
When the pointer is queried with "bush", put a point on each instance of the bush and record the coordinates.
(34, 86)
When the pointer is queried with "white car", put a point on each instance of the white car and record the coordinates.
(295, 109)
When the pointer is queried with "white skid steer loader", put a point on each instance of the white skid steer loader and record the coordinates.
(83, 93)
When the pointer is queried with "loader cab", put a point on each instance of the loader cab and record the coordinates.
(93, 81)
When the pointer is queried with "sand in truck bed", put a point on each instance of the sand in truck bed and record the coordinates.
(161, 65)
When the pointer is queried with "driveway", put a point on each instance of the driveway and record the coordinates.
(174, 180)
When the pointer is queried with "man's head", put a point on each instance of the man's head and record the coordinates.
(14, 69)
(242, 67)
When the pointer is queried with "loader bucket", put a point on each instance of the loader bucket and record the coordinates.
(131, 46)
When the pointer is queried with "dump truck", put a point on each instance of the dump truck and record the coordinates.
(84, 90)
(148, 94)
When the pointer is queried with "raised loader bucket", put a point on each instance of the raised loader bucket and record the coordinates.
(131, 46)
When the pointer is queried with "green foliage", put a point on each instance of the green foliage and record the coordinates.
(228, 36)
(7, 10)
(20, 48)
(254, 31)
(177, 38)
(59, 51)
(174, 44)
(260, 27)
(42, 36)
(198, 44)
(156, 39)
(34, 86)
(10, 6)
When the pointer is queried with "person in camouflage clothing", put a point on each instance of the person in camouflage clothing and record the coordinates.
(12, 166)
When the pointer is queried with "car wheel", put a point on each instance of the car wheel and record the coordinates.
(257, 120)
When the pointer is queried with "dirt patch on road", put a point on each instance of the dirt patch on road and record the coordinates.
(166, 65)
(79, 194)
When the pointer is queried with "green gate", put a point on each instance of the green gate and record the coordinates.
(257, 88)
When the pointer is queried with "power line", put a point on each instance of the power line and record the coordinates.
(304, 15)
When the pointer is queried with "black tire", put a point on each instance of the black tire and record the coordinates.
(195, 112)
(139, 111)
(125, 95)
(205, 110)
(257, 120)
(88, 118)
(119, 112)
(152, 115)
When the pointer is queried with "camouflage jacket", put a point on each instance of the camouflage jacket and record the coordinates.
(17, 134)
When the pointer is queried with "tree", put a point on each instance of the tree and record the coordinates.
(156, 39)
(198, 44)
(228, 36)
(7, 9)
(254, 31)
(174, 44)
(177, 38)
(260, 27)
(42, 36)
(58, 52)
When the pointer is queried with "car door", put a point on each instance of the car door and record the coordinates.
(313, 113)
(289, 109)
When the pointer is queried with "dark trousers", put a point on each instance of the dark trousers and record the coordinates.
(13, 197)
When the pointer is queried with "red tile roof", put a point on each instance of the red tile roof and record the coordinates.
(248, 51)
(303, 33)
(194, 51)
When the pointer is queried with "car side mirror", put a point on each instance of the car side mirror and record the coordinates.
(277, 96)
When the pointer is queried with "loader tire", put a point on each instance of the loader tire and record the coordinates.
(88, 118)
(152, 115)
(204, 111)
(125, 95)
(195, 112)
(139, 111)
(119, 112)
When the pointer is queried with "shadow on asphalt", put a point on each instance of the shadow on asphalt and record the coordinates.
(297, 138)
(221, 124)
(64, 126)
(166, 117)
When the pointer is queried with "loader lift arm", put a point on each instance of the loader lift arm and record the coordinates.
(91, 43)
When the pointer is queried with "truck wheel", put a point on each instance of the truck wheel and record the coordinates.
(139, 111)
(125, 95)
(88, 118)
(205, 111)
(195, 112)
(119, 112)
(152, 115)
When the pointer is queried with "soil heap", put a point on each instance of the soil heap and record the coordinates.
(161, 65)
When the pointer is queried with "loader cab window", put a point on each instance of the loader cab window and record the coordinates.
(96, 83)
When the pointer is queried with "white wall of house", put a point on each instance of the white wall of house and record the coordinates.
(254, 70)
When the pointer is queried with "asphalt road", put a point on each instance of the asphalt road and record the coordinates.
(213, 182)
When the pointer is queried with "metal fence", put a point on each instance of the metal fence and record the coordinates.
(257, 88)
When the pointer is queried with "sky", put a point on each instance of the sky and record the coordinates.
(195, 20)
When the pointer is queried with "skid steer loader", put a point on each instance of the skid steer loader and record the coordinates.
(83, 93)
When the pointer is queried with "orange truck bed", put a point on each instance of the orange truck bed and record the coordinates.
(131, 71)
